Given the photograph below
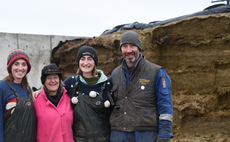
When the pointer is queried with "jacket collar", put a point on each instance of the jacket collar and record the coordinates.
(102, 78)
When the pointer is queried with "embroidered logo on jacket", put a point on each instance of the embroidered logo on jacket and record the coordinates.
(144, 81)
(97, 103)
(28, 103)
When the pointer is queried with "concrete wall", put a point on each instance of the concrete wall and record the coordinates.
(38, 47)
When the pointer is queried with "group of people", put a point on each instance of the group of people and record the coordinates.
(133, 105)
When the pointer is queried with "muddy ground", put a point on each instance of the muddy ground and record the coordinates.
(196, 54)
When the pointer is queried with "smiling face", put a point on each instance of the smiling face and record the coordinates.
(130, 53)
(87, 65)
(52, 83)
(19, 69)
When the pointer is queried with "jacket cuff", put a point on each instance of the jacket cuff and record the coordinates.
(165, 129)
(160, 139)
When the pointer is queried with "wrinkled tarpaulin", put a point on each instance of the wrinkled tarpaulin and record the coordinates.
(220, 8)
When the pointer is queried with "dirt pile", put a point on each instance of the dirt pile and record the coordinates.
(196, 54)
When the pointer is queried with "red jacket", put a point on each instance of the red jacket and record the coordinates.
(54, 123)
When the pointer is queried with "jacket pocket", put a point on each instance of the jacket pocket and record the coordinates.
(115, 117)
(146, 117)
(165, 91)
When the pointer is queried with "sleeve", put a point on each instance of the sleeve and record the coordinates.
(111, 83)
(111, 87)
(1, 116)
(163, 92)
(5, 97)
(69, 83)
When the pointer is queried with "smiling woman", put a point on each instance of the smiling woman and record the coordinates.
(86, 65)
(16, 105)
(53, 108)
(91, 98)
(19, 70)
(52, 84)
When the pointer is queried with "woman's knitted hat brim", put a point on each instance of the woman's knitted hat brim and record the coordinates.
(87, 50)
(50, 69)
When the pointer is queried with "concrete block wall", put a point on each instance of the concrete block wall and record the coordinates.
(38, 47)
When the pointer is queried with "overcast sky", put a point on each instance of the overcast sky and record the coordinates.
(88, 18)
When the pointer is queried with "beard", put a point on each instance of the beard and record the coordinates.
(134, 60)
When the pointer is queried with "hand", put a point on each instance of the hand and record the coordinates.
(35, 94)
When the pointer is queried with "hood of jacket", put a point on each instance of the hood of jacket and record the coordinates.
(102, 78)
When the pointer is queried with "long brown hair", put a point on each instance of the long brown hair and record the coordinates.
(24, 82)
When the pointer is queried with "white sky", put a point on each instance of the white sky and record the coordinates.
(88, 17)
